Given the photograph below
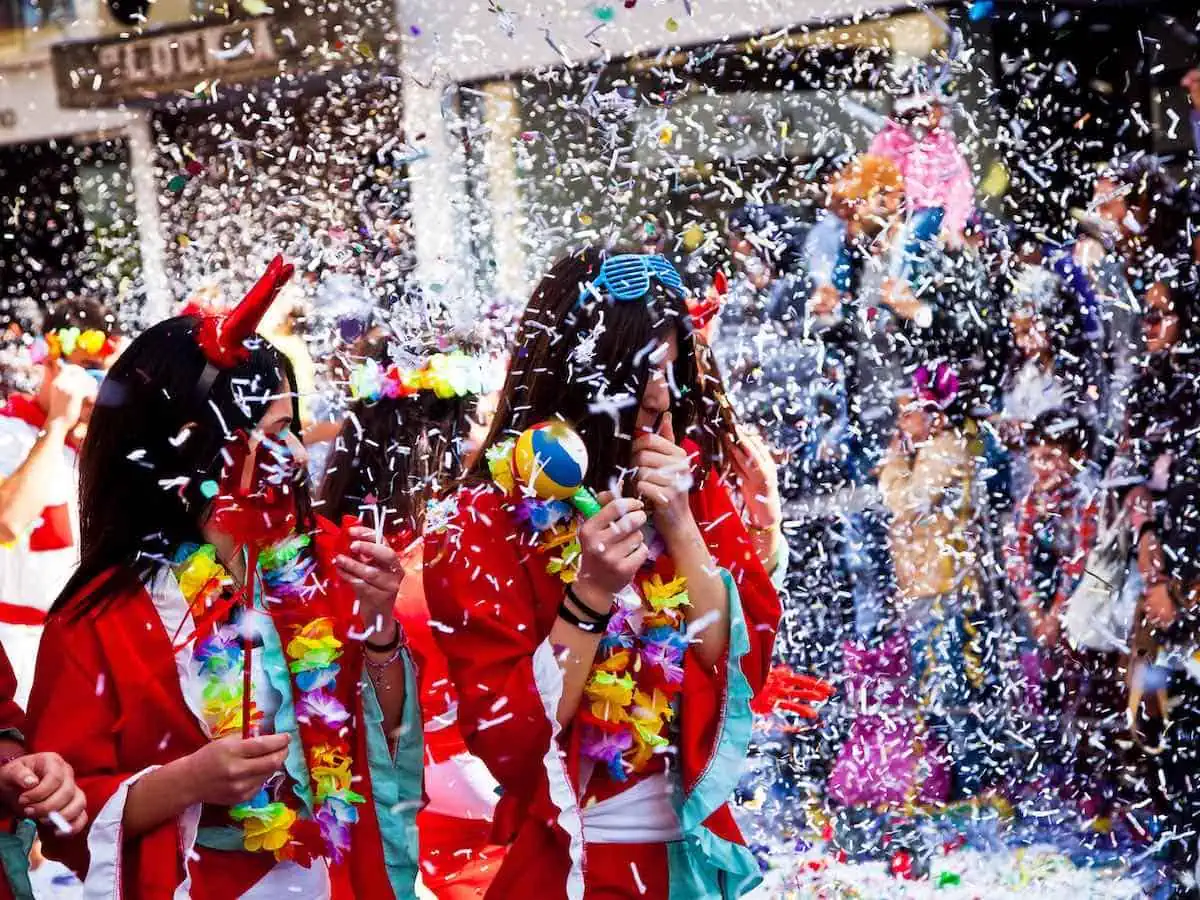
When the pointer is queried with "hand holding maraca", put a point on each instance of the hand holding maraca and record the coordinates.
(550, 461)
(612, 551)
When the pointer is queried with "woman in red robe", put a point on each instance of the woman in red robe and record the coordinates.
(224, 672)
(400, 447)
(605, 667)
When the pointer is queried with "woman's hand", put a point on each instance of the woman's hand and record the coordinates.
(759, 479)
(664, 476)
(39, 785)
(375, 573)
(612, 551)
(232, 770)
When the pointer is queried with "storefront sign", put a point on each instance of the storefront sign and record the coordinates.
(179, 59)
(206, 53)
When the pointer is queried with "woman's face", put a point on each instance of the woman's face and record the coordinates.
(1050, 465)
(1112, 206)
(277, 421)
(1160, 322)
(656, 399)
(916, 423)
(276, 426)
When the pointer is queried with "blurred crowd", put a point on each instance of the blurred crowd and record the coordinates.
(989, 455)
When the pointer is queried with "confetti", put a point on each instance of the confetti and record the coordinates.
(943, 264)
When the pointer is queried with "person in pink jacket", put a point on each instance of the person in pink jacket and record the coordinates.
(936, 175)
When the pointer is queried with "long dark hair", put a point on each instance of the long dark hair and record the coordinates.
(395, 454)
(598, 392)
(155, 437)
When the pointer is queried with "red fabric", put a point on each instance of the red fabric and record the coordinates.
(627, 872)
(54, 532)
(438, 696)
(1068, 507)
(458, 858)
(489, 588)
(11, 716)
(15, 614)
(25, 408)
(107, 698)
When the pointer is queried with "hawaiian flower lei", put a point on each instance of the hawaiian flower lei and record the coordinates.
(447, 375)
(291, 584)
(638, 674)
(552, 520)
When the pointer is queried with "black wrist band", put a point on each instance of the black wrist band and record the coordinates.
(568, 615)
(600, 618)
(390, 645)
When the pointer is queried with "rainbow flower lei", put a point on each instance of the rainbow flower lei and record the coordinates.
(290, 583)
(447, 375)
(631, 691)
(638, 675)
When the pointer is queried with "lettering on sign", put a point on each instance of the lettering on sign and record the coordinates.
(166, 62)
(204, 53)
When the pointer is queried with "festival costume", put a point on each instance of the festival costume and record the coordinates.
(34, 568)
(145, 715)
(458, 858)
(135, 676)
(630, 799)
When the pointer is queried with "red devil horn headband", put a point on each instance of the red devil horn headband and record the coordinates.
(223, 338)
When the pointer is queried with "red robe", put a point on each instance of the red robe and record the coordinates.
(495, 604)
(458, 858)
(107, 697)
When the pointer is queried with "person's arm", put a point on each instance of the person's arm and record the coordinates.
(758, 479)
(1156, 589)
(612, 550)
(374, 573)
(25, 493)
(664, 480)
(487, 607)
(223, 773)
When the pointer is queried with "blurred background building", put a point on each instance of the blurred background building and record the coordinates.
(152, 153)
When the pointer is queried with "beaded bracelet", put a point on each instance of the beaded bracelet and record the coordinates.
(567, 615)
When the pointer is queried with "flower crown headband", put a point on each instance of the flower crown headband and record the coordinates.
(62, 342)
(446, 375)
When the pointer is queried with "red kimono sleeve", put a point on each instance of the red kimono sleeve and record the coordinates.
(731, 548)
(483, 609)
(12, 718)
(73, 711)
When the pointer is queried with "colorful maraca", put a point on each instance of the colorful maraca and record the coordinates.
(552, 460)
